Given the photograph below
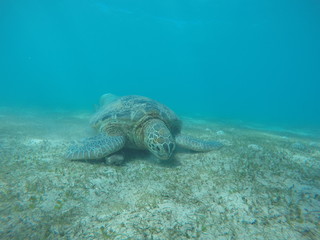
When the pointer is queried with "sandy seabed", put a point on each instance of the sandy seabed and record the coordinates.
(261, 185)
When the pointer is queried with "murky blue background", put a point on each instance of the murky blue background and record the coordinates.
(247, 60)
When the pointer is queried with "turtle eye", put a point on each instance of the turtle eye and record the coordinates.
(171, 146)
(166, 148)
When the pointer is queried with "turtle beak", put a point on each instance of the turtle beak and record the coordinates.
(165, 150)
(168, 149)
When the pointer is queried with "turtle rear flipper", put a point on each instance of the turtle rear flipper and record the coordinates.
(95, 147)
(197, 144)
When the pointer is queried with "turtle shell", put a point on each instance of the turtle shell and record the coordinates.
(128, 114)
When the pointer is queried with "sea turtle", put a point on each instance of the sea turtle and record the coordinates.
(135, 122)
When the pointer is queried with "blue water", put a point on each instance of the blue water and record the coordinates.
(248, 60)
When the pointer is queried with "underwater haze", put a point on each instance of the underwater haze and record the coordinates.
(243, 77)
(246, 60)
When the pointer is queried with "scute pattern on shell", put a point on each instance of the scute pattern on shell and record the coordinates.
(130, 111)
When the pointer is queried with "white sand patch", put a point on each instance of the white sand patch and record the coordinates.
(34, 141)
(255, 147)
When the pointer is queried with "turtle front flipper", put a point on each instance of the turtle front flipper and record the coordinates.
(95, 147)
(197, 144)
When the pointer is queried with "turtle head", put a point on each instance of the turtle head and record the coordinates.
(158, 139)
